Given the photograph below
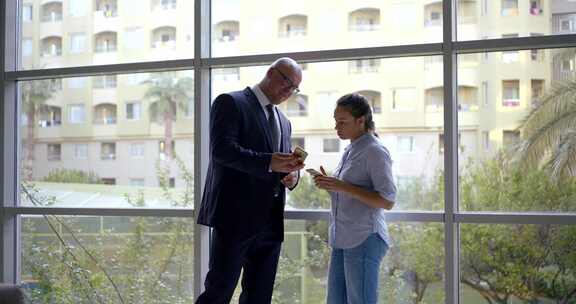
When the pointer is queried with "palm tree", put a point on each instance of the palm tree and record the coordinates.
(166, 93)
(34, 96)
(549, 130)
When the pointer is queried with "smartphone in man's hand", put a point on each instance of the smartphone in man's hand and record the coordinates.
(300, 153)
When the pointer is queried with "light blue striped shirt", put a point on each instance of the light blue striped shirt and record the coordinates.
(366, 163)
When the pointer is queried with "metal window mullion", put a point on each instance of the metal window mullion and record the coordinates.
(9, 244)
(451, 231)
(412, 50)
(520, 43)
(517, 218)
(133, 212)
(202, 47)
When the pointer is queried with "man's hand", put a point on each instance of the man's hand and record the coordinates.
(285, 163)
(290, 180)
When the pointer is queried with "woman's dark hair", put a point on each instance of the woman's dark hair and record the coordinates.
(358, 106)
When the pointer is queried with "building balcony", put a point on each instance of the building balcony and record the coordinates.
(106, 21)
(100, 96)
(48, 29)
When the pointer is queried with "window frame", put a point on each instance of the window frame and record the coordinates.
(202, 62)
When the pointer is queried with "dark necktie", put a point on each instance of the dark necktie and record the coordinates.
(272, 126)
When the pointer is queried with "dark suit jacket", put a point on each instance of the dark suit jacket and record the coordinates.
(238, 195)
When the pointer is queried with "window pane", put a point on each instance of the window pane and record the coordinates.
(415, 259)
(520, 263)
(399, 100)
(83, 259)
(489, 19)
(244, 28)
(517, 146)
(103, 132)
(95, 32)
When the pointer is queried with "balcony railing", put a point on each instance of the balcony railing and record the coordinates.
(292, 33)
(49, 123)
(57, 17)
(171, 44)
(51, 53)
(105, 48)
(511, 102)
(105, 120)
(108, 156)
(363, 27)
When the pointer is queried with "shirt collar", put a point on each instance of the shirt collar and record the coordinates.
(262, 99)
(360, 141)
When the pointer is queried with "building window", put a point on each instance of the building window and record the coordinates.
(162, 149)
(486, 140)
(26, 47)
(27, 12)
(510, 93)
(331, 145)
(137, 182)
(52, 12)
(108, 181)
(434, 99)
(364, 66)
(297, 142)
(433, 14)
(405, 144)
(297, 105)
(172, 182)
(567, 23)
(485, 94)
(104, 82)
(77, 42)
(107, 8)
(133, 111)
(536, 8)
(292, 26)
(510, 138)
(105, 114)
(509, 8)
(164, 4)
(374, 99)
(105, 42)
(403, 99)
(467, 98)
(365, 19)
(50, 116)
(80, 151)
(228, 74)
(108, 151)
(227, 30)
(537, 90)
(484, 7)
(54, 152)
(164, 37)
(51, 46)
(77, 113)
(136, 150)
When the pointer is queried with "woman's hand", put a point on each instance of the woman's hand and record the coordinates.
(330, 183)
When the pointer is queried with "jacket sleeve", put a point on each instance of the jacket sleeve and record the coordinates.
(225, 126)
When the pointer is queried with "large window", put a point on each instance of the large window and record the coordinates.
(105, 142)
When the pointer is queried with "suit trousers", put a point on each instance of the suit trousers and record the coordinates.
(257, 256)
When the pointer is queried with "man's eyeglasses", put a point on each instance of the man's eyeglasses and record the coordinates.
(292, 87)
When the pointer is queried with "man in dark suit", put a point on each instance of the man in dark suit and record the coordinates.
(251, 164)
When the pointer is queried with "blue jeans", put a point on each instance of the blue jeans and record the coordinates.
(353, 272)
